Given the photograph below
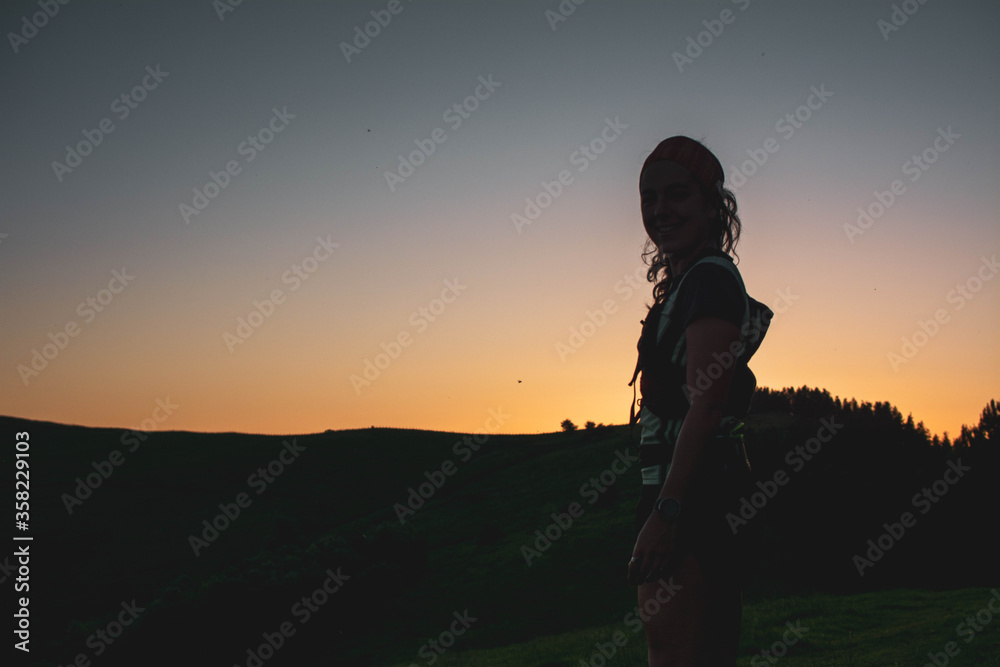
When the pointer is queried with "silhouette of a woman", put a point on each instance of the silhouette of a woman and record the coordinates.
(695, 386)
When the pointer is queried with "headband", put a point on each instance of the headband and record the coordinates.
(691, 155)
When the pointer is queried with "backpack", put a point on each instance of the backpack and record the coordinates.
(756, 320)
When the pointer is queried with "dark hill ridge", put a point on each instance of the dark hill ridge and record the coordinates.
(329, 507)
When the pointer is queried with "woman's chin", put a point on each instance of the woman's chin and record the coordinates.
(673, 249)
(678, 248)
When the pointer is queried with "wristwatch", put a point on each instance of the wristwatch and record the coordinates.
(668, 508)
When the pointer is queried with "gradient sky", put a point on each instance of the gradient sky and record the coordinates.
(851, 299)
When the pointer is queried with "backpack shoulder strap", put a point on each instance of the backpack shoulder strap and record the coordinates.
(719, 261)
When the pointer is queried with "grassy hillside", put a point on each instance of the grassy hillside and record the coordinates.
(330, 511)
(888, 628)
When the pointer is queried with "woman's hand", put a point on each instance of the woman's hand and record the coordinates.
(656, 551)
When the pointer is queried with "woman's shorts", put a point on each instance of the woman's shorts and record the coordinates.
(707, 524)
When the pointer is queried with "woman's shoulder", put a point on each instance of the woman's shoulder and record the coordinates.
(712, 289)
(719, 268)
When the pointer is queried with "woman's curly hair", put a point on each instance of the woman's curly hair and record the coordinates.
(725, 236)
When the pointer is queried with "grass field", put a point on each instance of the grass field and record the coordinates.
(338, 505)
(872, 629)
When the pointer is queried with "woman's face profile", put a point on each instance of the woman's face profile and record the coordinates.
(674, 213)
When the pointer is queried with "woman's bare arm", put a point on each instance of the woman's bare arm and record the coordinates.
(708, 340)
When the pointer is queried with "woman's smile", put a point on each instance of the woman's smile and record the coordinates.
(664, 230)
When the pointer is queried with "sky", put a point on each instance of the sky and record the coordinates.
(289, 217)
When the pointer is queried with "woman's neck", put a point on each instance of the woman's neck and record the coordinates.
(679, 265)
